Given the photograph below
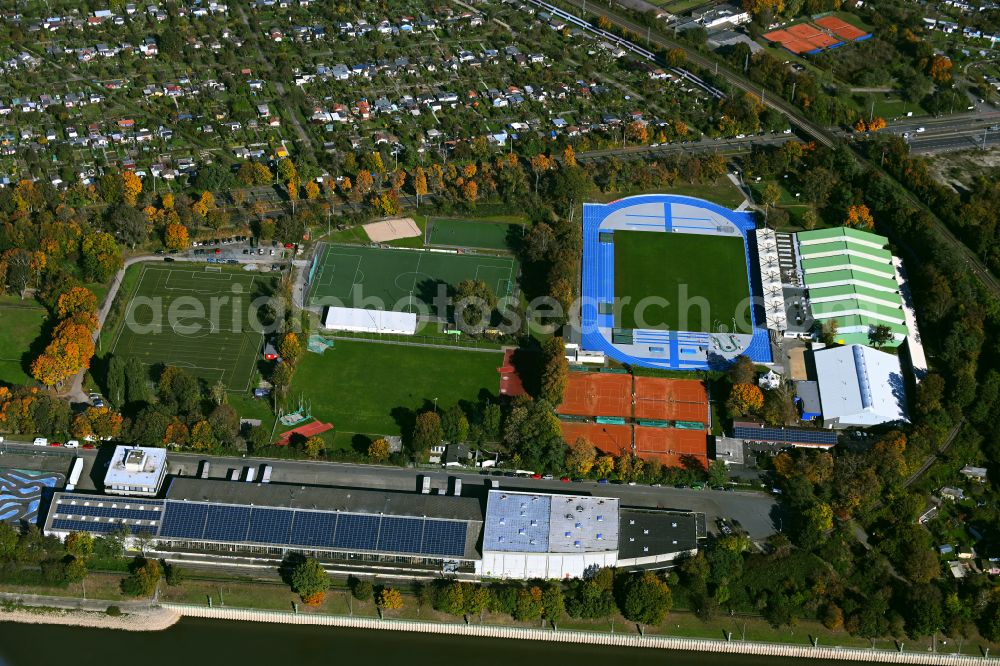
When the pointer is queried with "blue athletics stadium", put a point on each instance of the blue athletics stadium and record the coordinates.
(671, 282)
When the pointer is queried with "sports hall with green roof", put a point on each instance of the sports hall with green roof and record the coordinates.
(851, 279)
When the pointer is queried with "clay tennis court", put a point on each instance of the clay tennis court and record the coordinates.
(597, 394)
(671, 399)
(610, 439)
(801, 38)
(671, 446)
(841, 28)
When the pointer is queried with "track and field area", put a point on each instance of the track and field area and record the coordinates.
(346, 275)
(20, 328)
(373, 388)
(673, 266)
(195, 319)
(483, 234)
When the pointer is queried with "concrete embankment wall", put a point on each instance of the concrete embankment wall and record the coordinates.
(594, 638)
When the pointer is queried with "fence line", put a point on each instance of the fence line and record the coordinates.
(585, 637)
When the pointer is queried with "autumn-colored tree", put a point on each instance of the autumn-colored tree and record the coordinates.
(860, 125)
(71, 349)
(286, 170)
(681, 128)
(314, 447)
(876, 123)
(469, 171)
(364, 182)
(581, 456)
(637, 131)
(604, 466)
(860, 217)
(419, 183)
(175, 237)
(204, 205)
(540, 163)
(378, 451)
(167, 200)
(310, 580)
(389, 599)
(77, 299)
(470, 191)
(569, 157)
(290, 348)
(604, 23)
(398, 180)
(312, 190)
(346, 185)
(759, 7)
(177, 433)
(676, 57)
(939, 69)
(104, 423)
(131, 187)
(745, 399)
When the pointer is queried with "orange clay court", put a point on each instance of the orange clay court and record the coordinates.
(671, 399)
(841, 28)
(671, 446)
(597, 394)
(610, 439)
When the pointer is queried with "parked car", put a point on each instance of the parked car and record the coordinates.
(72, 444)
(40, 441)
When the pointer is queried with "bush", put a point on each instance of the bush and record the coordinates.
(362, 590)
(113, 611)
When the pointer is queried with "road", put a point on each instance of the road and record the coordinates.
(757, 512)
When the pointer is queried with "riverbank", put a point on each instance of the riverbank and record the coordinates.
(583, 637)
(153, 619)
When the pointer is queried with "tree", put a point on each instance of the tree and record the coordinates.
(419, 183)
(529, 604)
(101, 256)
(290, 348)
(378, 450)
(455, 425)
(860, 217)
(569, 156)
(76, 299)
(175, 237)
(555, 370)
(78, 544)
(553, 603)
(474, 305)
(939, 69)
(286, 170)
(880, 335)
(314, 447)
(637, 132)
(143, 577)
(203, 437)
(604, 466)
(131, 187)
(128, 223)
(361, 589)
(745, 399)
(717, 473)
(742, 371)
(312, 190)
(646, 599)
(219, 393)
(427, 433)
(389, 598)
(771, 194)
(580, 457)
(310, 581)
(810, 219)
(470, 191)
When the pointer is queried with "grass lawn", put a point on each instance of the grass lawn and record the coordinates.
(20, 328)
(195, 319)
(357, 234)
(681, 268)
(721, 191)
(482, 234)
(372, 388)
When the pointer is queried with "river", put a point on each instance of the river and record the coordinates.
(194, 642)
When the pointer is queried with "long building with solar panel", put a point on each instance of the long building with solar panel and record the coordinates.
(518, 536)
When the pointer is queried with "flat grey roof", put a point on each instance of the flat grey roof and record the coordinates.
(526, 522)
(649, 532)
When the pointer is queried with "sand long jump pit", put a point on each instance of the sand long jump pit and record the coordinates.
(388, 230)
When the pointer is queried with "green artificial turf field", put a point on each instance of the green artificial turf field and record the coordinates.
(20, 327)
(197, 319)
(394, 278)
(470, 233)
(692, 268)
(373, 388)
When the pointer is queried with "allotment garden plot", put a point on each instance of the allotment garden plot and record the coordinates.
(392, 279)
(196, 319)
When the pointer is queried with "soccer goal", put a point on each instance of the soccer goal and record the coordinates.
(213, 269)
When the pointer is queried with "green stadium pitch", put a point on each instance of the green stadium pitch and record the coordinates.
(480, 234)
(706, 268)
(395, 277)
(217, 347)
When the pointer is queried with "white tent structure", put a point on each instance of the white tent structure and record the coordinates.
(770, 277)
(370, 321)
(860, 387)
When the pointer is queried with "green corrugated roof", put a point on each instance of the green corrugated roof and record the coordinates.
(848, 291)
(838, 233)
(857, 277)
(820, 263)
(862, 339)
(820, 309)
(841, 248)
(850, 321)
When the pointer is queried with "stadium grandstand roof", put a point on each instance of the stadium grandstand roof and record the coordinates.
(848, 234)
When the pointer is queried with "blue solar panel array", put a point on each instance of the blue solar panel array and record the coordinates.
(789, 435)
(317, 529)
(84, 526)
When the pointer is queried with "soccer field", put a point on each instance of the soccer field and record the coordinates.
(689, 271)
(470, 233)
(346, 275)
(195, 319)
(371, 388)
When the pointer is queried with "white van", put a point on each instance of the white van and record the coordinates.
(72, 444)
(40, 441)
